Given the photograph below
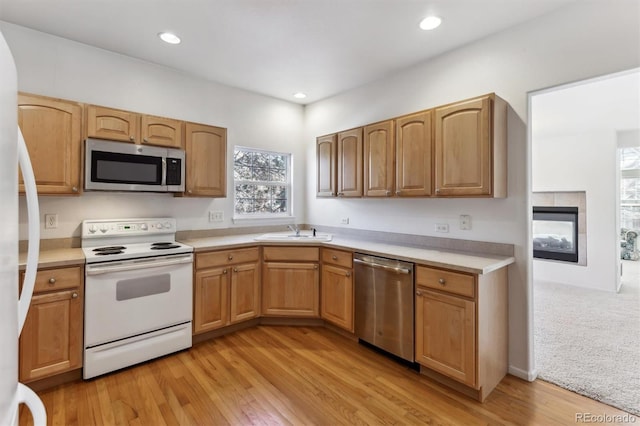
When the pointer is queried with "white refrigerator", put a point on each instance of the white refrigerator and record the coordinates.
(14, 307)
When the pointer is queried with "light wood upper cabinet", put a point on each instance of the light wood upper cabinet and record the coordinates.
(127, 126)
(51, 340)
(206, 160)
(113, 124)
(161, 131)
(470, 148)
(52, 130)
(349, 163)
(326, 166)
(379, 159)
(413, 154)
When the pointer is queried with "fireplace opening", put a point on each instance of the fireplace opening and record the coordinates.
(555, 233)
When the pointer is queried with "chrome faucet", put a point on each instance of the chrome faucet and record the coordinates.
(294, 228)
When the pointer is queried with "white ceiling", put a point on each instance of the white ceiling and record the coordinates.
(277, 47)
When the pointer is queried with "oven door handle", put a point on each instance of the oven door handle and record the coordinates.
(137, 265)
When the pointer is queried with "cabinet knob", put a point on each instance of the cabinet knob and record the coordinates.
(224, 271)
(230, 257)
(418, 293)
(348, 274)
(74, 295)
(340, 194)
(145, 140)
(235, 269)
(388, 194)
(190, 191)
(315, 266)
(74, 189)
(442, 281)
(334, 257)
(398, 192)
(132, 139)
(52, 280)
(437, 190)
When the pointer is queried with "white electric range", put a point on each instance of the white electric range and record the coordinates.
(138, 292)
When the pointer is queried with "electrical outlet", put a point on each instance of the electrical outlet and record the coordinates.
(50, 221)
(344, 221)
(442, 227)
(216, 216)
(465, 222)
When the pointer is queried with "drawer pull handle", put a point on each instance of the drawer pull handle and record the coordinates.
(442, 281)
(74, 295)
(334, 257)
(52, 280)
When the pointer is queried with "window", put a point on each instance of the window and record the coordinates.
(630, 188)
(262, 182)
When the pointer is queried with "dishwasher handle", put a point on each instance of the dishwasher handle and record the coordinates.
(397, 270)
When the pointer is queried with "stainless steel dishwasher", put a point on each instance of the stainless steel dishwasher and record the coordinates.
(384, 304)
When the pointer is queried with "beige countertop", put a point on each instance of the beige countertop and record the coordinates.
(54, 258)
(475, 263)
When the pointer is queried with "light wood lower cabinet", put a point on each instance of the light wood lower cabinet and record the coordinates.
(227, 288)
(51, 340)
(336, 305)
(291, 282)
(461, 327)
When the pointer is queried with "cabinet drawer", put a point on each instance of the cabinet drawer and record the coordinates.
(337, 257)
(448, 281)
(291, 254)
(226, 257)
(56, 279)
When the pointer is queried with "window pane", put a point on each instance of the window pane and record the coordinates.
(261, 174)
(242, 172)
(243, 158)
(279, 192)
(245, 191)
(279, 161)
(244, 205)
(279, 206)
(630, 158)
(261, 159)
(278, 175)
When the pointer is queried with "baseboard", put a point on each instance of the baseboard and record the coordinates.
(529, 376)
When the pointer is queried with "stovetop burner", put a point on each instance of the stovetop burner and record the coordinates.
(164, 243)
(108, 252)
(164, 247)
(109, 248)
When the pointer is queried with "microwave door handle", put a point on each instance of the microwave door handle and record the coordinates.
(164, 172)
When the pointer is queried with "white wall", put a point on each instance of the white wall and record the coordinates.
(554, 49)
(57, 67)
(582, 162)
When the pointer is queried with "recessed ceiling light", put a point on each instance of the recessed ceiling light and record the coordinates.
(299, 95)
(169, 38)
(430, 23)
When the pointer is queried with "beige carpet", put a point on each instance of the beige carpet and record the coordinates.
(588, 341)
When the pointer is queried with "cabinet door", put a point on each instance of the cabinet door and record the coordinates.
(413, 155)
(337, 296)
(113, 124)
(445, 335)
(52, 130)
(206, 168)
(51, 340)
(211, 299)
(290, 289)
(379, 159)
(161, 131)
(245, 292)
(326, 166)
(349, 155)
(463, 154)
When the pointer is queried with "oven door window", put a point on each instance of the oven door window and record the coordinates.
(143, 286)
(111, 167)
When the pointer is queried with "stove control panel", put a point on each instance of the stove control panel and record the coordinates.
(123, 227)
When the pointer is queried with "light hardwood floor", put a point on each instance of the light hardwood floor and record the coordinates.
(296, 375)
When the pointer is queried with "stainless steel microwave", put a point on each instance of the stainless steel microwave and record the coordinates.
(119, 166)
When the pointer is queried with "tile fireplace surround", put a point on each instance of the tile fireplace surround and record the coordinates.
(568, 199)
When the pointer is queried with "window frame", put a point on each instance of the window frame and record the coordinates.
(288, 184)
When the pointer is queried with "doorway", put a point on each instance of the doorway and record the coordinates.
(576, 135)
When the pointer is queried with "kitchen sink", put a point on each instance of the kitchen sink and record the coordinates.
(302, 238)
